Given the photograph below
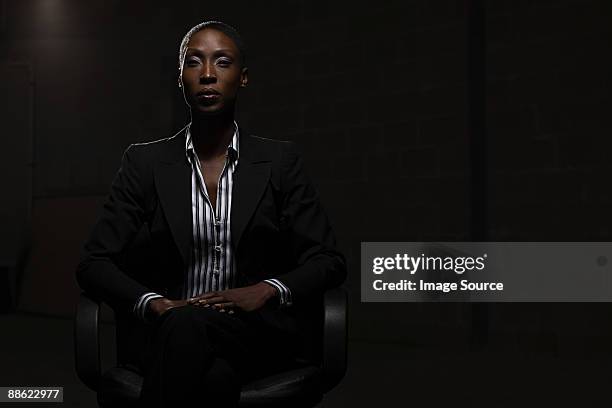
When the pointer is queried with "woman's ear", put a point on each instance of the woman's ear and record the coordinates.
(244, 77)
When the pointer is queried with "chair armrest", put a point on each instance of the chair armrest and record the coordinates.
(87, 341)
(334, 337)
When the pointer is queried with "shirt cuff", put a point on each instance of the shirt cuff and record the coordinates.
(141, 305)
(284, 294)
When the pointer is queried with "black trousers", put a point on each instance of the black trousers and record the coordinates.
(200, 357)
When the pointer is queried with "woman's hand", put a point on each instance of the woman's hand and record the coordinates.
(159, 306)
(248, 298)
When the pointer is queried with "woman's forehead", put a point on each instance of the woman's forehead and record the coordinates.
(211, 38)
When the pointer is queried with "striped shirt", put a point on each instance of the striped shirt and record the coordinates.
(213, 265)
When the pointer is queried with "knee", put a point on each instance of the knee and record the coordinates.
(193, 321)
(189, 313)
(177, 318)
(178, 332)
(190, 318)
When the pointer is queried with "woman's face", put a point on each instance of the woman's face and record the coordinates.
(212, 72)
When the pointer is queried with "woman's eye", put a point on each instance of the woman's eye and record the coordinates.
(224, 62)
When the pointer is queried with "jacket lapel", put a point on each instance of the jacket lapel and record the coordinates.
(173, 184)
(250, 181)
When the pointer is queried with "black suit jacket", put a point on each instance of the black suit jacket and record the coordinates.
(279, 229)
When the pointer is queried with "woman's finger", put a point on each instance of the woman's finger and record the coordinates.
(209, 295)
(224, 307)
(211, 301)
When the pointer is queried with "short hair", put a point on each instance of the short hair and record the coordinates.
(226, 29)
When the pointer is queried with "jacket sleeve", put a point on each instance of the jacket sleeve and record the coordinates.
(99, 271)
(309, 236)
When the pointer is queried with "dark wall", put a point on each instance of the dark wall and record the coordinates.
(548, 104)
(376, 95)
(548, 125)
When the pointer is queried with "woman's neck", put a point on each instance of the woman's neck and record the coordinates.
(211, 135)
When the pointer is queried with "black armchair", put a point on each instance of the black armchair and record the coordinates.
(302, 385)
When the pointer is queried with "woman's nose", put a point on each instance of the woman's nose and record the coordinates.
(208, 73)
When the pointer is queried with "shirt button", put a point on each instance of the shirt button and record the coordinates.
(216, 272)
(217, 222)
(218, 248)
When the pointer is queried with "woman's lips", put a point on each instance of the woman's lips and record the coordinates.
(208, 97)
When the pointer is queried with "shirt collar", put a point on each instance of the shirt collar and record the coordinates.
(232, 148)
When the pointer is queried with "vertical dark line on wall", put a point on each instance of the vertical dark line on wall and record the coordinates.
(476, 112)
(26, 248)
(476, 123)
(3, 19)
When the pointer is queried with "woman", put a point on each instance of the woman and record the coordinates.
(239, 245)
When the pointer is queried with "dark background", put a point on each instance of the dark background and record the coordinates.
(419, 121)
